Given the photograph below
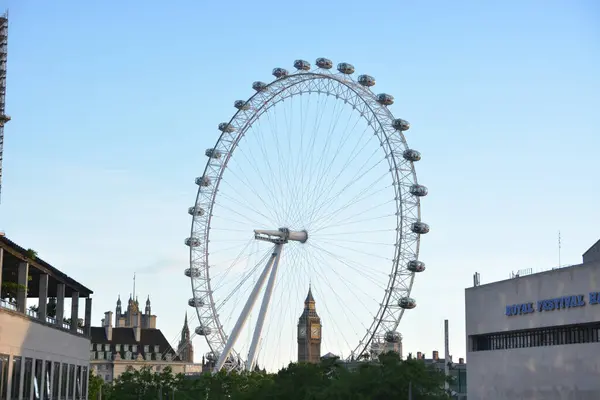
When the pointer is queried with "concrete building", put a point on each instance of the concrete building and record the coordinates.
(43, 354)
(536, 336)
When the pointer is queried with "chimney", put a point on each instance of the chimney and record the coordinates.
(107, 323)
(461, 360)
(419, 355)
(436, 355)
(137, 329)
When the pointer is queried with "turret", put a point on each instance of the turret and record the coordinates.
(148, 308)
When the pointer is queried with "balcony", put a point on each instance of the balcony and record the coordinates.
(37, 291)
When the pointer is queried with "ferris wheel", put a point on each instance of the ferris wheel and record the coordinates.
(311, 183)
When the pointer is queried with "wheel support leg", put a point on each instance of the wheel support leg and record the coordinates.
(264, 308)
(245, 312)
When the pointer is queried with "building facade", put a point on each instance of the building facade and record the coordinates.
(137, 343)
(43, 354)
(309, 332)
(536, 336)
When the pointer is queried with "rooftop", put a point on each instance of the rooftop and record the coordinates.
(15, 254)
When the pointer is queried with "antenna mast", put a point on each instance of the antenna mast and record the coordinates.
(3, 56)
(559, 246)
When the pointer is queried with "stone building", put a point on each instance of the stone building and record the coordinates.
(135, 342)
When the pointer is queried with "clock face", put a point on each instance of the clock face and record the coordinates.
(302, 332)
(315, 331)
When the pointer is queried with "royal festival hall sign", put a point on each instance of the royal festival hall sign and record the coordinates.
(559, 303)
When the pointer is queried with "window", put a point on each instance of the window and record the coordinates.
(78, 394)
(107, 347)
(47, 382)
(109, 355)
(146, 349)
(27, 378)
(107, 378)
(71, 384)
(126, 347)
(55, 380)
(548, 336)
(117, 347)
(134, 348)
(156, 349)
(98, 347)
(101, 355)
(37, 383)
(64, 373)
(16, 377)
(3, 376)
(84, 382)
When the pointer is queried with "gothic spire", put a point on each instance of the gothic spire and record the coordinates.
(185, 332)
(309, 297)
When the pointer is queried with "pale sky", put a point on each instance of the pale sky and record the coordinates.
(113, 105)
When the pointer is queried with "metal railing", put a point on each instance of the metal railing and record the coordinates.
(8, 305)
(35, 316)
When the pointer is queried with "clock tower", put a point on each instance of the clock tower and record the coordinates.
(309, 332)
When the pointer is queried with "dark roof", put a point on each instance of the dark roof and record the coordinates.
(41, 265)
(150, 337)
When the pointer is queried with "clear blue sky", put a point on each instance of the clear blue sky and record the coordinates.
(113, 106)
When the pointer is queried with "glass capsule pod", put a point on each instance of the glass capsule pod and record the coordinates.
(226, 127)
(345, 68)
(203, 331)
(415, 266)
(203, 181)
(196, 211)
(418, 190)
(211, 356)
(213, 153)
(259, 86)
(392, 337)
(324, 63)
(385, 99)
(419, 227)
(280, 72)
(192, 242)
(411, 155)
(192, 272)
(366, 80)
(407, 303)
(400, 124)
(302, 65)
(241, 105)
(194, 302)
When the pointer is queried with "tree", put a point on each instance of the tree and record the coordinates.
(50, 308)
(95, 385)
(10, 290)
(388, 378)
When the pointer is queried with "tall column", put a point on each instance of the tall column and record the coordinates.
(74, 310)
(43, 298)
(88, 316)
(60, 304)
(22, 291)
